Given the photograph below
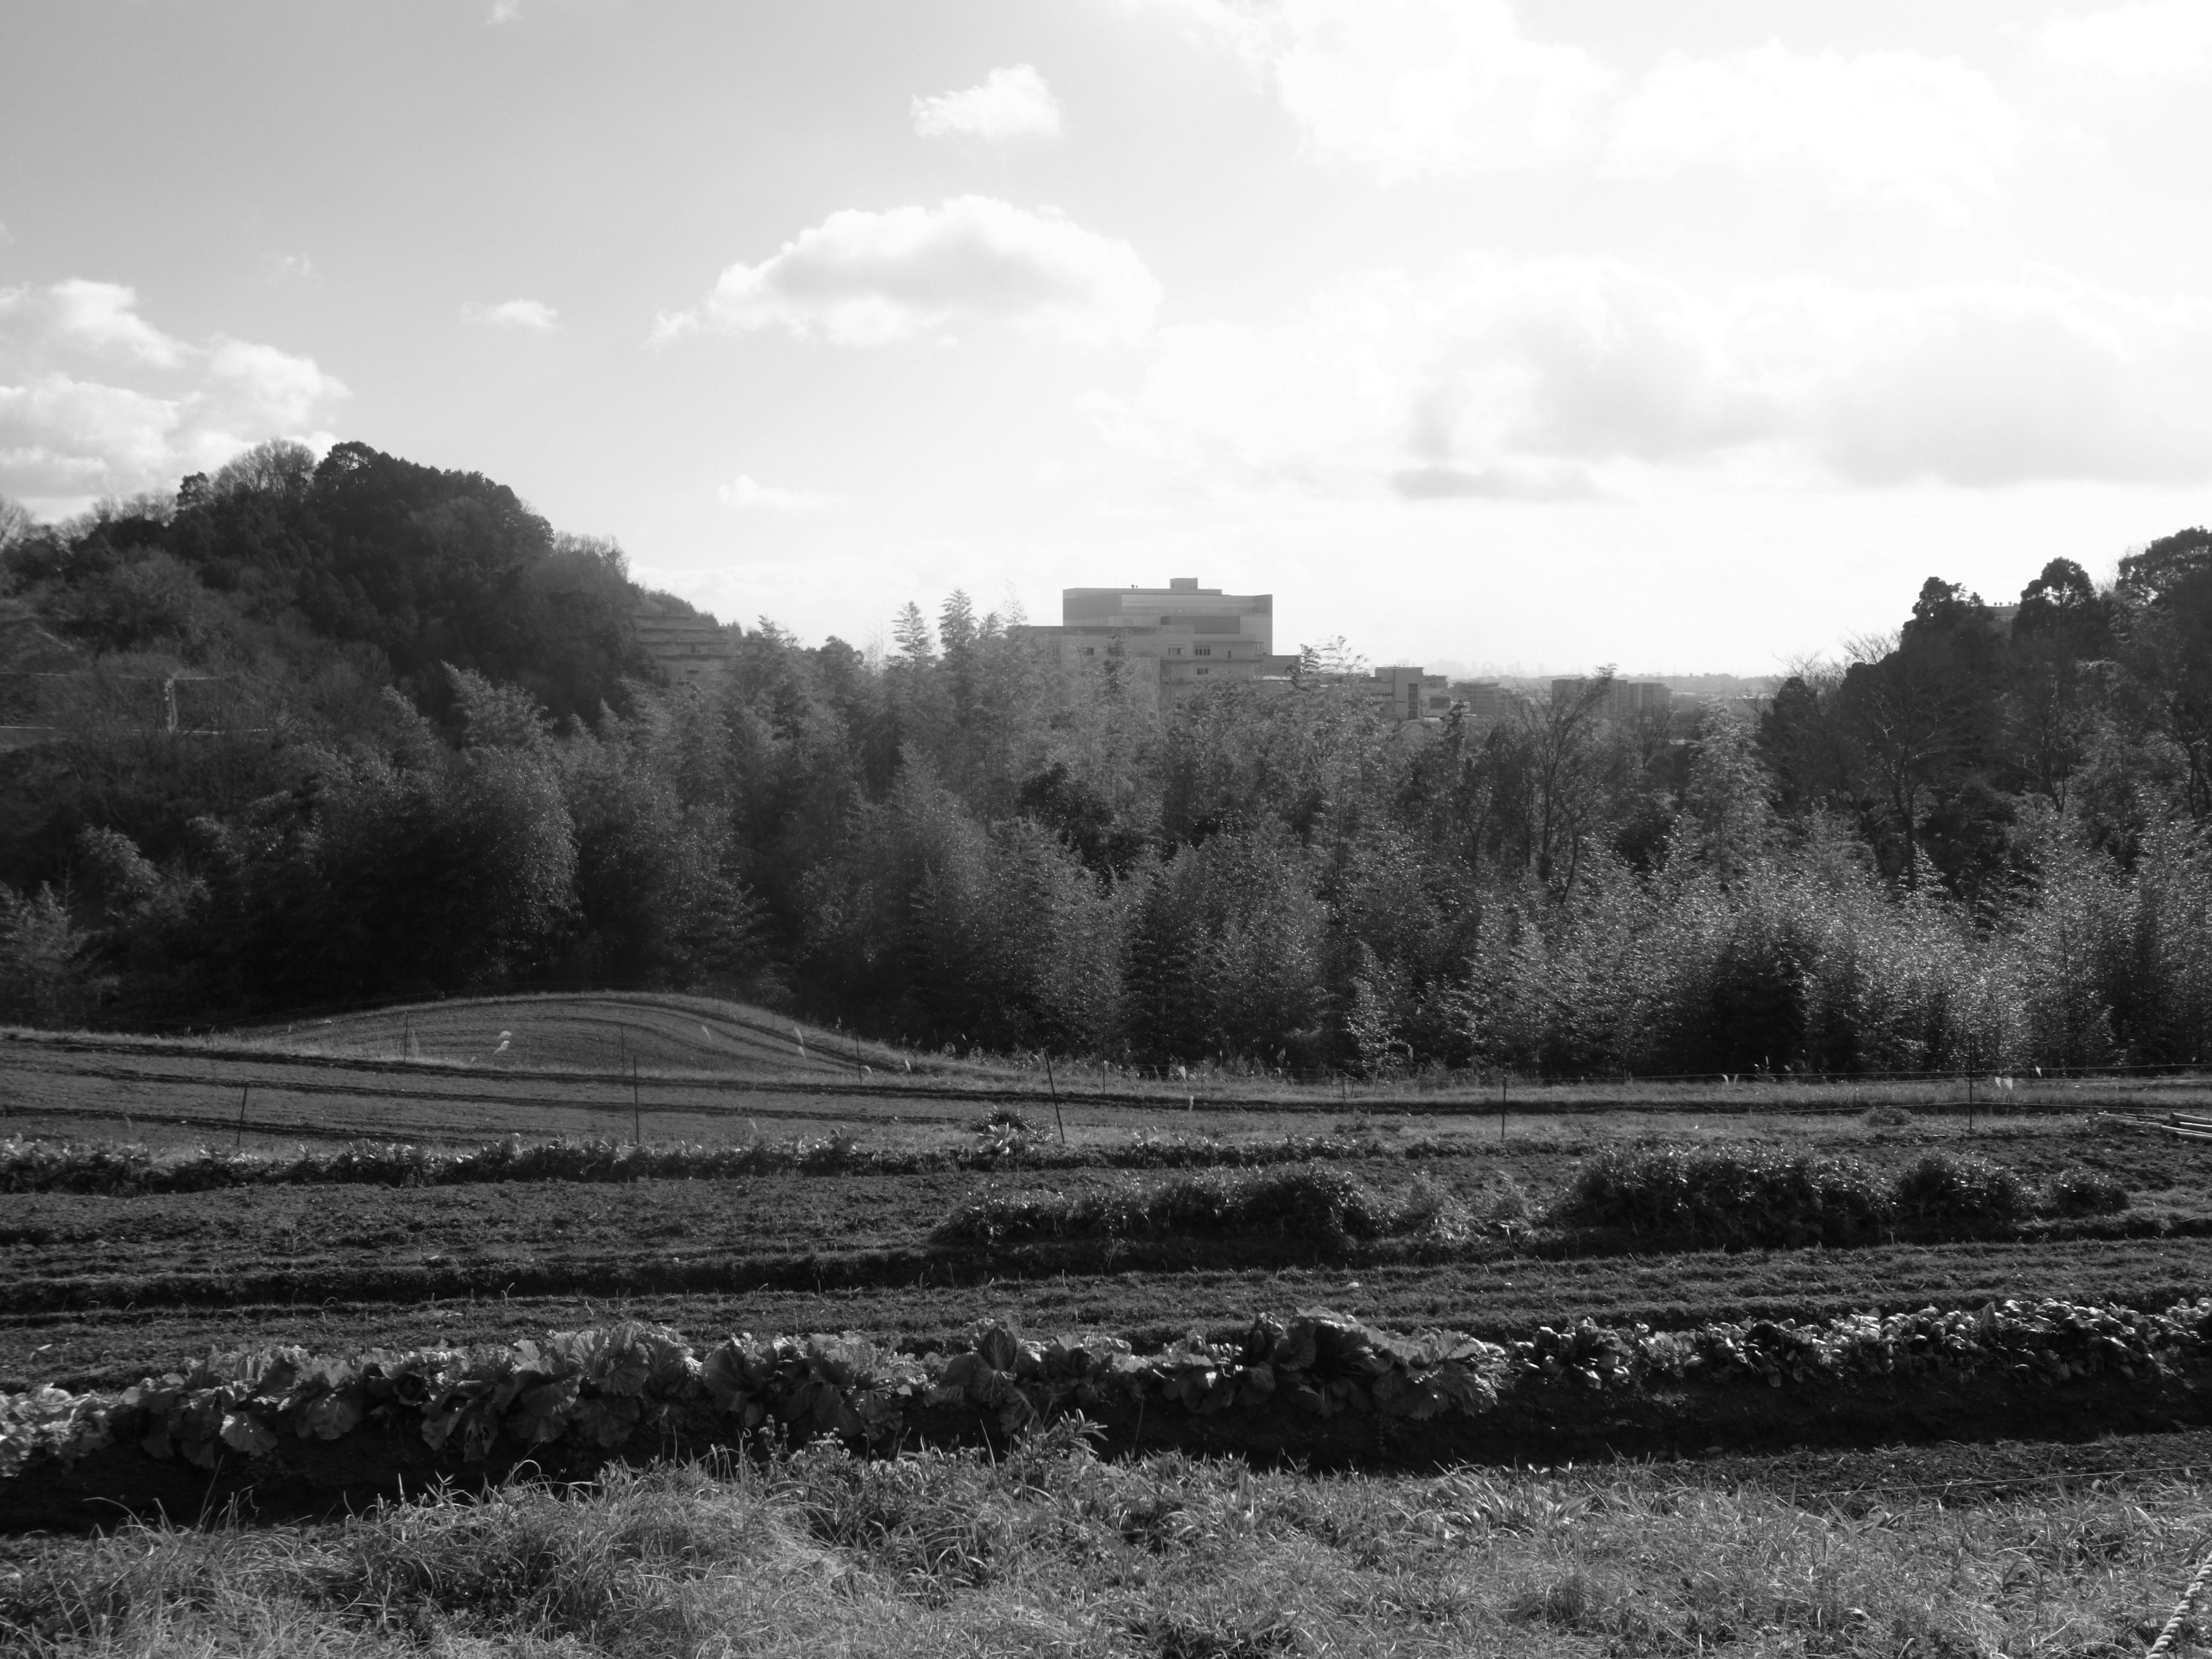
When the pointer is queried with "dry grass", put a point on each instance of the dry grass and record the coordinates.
(1042, 1549)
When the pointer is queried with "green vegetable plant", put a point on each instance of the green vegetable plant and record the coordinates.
(632, 1385)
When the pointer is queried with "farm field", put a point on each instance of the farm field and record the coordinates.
(115, 1344)
(689, 1068)
(99, 1291)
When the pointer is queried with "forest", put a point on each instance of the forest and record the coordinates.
(326, 731)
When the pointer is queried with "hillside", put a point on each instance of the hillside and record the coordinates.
(589, 1032)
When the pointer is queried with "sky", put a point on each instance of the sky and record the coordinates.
(1484, 335)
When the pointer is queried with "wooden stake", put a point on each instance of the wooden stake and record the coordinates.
(1055, 1087)
(240, 1139)
(636, 1111)
(1501, 1108)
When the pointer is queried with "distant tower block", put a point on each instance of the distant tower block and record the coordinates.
(1171, 639)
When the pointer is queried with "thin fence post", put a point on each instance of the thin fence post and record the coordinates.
(239, 1140)
(636, 1110)
(1501, 1107)
(1055, 1087)
(1969, 1103)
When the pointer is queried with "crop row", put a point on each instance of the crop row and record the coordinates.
(29, 1165)
(642, 1388)
(1735, 1196)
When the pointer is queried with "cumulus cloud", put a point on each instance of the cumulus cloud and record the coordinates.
(101, 319)
(1011, 103)
(1412, 88)
(531, 316)
(96, 400)
(743, 492)
(1885, 124)
(864, 278)
(2151, 39)
(1536, 380)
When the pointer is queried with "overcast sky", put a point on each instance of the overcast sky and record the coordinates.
(1682, 336)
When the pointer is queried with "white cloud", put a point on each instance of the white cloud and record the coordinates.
(95, 400)
(532, 316)
(292, 264)
(1414, 86)
(864, 278)
(102, 318)
(1543, 380)
(743, 492)
(1885, 124)
(2151, 39)
(504, 11)
(1011, 103)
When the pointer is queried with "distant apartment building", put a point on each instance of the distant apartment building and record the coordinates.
(1487, 700)
(1623, 699)
(1408, 693)
(1169, 639)
(691, 650)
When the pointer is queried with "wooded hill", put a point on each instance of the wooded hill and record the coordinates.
(443, 763)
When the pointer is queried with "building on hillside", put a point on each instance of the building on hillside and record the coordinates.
(691, 650)
(1168, 639)
(1623, 699)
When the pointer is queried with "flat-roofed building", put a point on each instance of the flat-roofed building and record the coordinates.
(1623, 699)
(1409, 693)
(1173, 639)
(1488, 700)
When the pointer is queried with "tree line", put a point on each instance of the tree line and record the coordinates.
(447, 766)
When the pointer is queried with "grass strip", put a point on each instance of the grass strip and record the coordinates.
(108, 1169)
(1038, 1546)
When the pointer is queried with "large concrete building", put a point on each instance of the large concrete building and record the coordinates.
(1169, 639)
(1623, 700)
(1409, 693)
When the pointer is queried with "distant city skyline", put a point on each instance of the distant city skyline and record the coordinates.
(1545, 332)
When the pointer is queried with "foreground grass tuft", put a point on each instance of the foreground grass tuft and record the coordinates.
(1042, 1548)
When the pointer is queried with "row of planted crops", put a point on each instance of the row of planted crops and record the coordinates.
(299, 1427)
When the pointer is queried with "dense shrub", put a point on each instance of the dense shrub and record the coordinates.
(1959, 1192)
(1727, 1197)
(2084, 1192)
(1314, 1202)
(1730, 1197)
